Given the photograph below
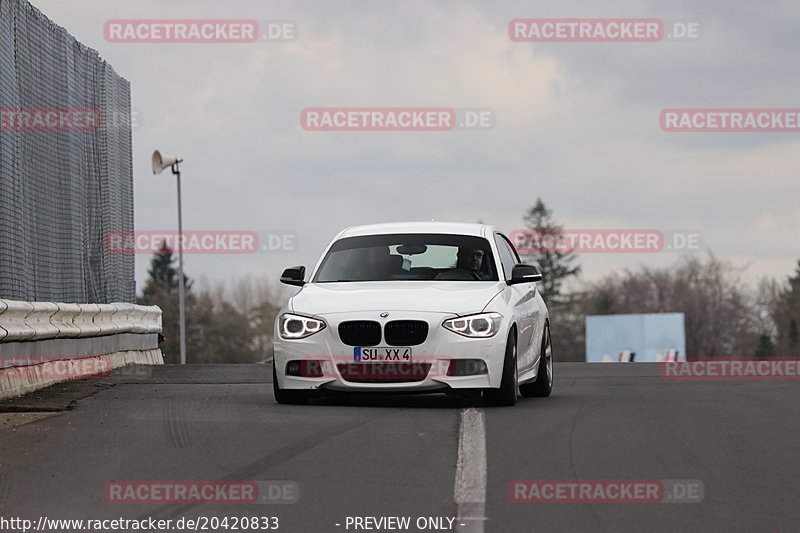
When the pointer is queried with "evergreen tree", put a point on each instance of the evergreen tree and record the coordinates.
(765, 347)
(603, 303)
(788, 316)
(161, 289)
(163, 273)
(556, 265)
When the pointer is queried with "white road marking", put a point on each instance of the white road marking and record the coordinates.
(470, 486)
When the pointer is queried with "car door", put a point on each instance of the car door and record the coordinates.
(522, 296)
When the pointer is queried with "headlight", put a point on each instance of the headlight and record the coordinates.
(299, 327)
(483, 325)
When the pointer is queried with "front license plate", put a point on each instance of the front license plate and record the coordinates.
(381, 353)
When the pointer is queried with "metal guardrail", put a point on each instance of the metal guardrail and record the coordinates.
(33, 321)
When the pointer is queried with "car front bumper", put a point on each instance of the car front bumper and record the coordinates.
(439, 348)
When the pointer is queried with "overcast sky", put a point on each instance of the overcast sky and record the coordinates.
(575, 123)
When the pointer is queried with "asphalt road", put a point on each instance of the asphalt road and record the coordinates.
(410, 456)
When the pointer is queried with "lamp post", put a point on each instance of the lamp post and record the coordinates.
(160, 162)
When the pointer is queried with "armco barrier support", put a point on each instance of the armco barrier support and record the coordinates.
(103, 318)
(122, 317)
(64, 320)
(151, 320)
(13, 320)
(85, 321)
(39, 320)
(3, 332)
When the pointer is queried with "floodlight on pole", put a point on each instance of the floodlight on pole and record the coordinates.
(160, 162)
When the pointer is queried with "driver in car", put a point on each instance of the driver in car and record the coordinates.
(470, 259)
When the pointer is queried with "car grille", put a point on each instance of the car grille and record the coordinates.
(405, 332)
(383, 372)
(360, 333)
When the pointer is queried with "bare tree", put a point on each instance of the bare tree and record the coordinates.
(722, 317)
(259, 299)
(225, 323)
(785, 308)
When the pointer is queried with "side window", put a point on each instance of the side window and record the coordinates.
(507, 255)
(517, 259)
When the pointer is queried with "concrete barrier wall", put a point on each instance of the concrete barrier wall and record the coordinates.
(43, 343)
(18, 380)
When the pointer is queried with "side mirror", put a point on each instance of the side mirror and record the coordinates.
(294, 276)
(523, 273)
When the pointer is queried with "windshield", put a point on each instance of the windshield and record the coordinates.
(408, 257)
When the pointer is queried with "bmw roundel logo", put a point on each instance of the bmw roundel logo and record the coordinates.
(384, 314)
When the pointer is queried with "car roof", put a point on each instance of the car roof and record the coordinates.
(447, 228)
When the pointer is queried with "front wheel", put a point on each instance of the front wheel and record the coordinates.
(506, 395)
(543, 385)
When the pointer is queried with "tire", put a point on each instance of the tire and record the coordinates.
(543, 385)
(506, 395)
(288, 396)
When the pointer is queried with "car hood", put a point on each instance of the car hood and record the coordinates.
(455, 297)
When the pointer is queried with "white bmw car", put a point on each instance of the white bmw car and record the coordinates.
(415, 307)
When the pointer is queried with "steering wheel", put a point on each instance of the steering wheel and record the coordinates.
(459, 274)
